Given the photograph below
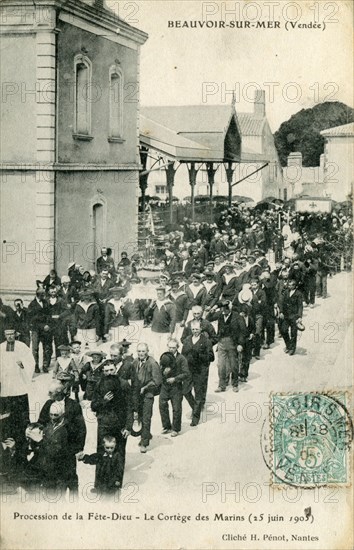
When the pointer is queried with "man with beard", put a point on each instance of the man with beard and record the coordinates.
(112, 405)
(75, 425)
(21, 322)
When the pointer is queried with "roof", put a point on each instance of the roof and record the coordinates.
(169, 142)
(195, 132)
(191, 118)
(345, 130)
(250, 124)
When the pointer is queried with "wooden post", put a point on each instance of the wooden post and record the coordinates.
(229, 175)
(192, 171)
(211, 180)
(170, 179)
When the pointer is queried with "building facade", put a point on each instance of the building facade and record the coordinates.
(70, 141)
(339, 162)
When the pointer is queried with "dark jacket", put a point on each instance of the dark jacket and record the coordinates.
(21, 324)
(177, 369)
(181, 303)
(87, 319)
(55, 451)
(212, 295)
(38, 316)
(207, 329)
(148, 376)
(117, 411)
(226, 328)
(163, 320)
(109, 470)
(199, 354)
(291, 306)
(75, 423)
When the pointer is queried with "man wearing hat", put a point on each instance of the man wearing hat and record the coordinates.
(17, 367)
(290, 314)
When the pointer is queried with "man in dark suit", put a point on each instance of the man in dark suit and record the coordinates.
(75, 423)
(174, 370)
(21, 322)
(105, 261)
(101, 288)
(112, 404)
(245, 338)
(198, 351)
(39, 319)
(227, 342)
(290, 314)
(149, 381)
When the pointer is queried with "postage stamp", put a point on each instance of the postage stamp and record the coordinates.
(310, 436)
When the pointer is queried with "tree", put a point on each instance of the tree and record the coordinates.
(302, 131)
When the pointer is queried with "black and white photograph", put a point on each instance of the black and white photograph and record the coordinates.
(176, 290)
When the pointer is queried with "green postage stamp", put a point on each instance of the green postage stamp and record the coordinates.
(311, 435)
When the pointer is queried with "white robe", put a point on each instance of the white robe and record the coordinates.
(15, 380)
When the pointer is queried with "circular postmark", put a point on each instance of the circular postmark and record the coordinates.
(306, 441)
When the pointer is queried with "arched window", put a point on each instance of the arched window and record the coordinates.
(83, 70)
(115, 103)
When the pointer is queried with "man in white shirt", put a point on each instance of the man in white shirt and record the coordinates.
(17, 368)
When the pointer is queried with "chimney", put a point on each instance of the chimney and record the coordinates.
(295, 159)
(259, 103)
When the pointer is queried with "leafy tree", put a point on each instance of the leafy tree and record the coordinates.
(302, 131)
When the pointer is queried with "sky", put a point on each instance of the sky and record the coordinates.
(298, 67)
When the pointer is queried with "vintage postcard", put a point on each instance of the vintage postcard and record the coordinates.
(176, 338)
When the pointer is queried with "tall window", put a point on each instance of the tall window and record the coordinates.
(82, 95)
(285, 194)
(115, 103)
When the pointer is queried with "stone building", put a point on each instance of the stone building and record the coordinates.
(339, 162)
(70, 142)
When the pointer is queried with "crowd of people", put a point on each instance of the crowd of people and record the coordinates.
(117, 337)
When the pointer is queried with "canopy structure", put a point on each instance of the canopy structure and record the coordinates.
(195, 135)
